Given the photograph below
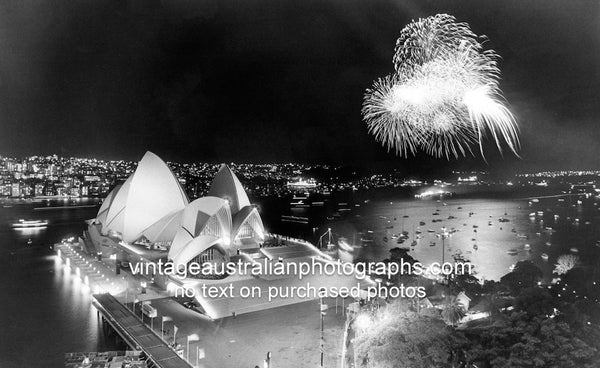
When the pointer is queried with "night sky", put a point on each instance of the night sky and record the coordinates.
(275, 80)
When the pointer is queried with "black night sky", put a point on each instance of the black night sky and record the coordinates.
(275, 80)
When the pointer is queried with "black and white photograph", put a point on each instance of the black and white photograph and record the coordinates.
(300, 183)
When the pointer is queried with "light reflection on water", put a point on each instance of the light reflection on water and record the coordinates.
(494, 242)
(45, 311)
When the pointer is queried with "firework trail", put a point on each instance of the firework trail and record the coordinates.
(443, 97)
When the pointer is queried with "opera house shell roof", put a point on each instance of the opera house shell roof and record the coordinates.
(148, 205)
(151, 207)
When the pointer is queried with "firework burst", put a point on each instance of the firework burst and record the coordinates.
(443, 97)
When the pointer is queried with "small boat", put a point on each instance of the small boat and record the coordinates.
(29, 241)
(29, 224)
(385, 239)
(527, 247)
(430, 231)
(544, 256)
(432, 244)
(414, 243)
(574, 250)
(523, 236)
(421, 223)
(548, 244)
(475, 246)
(512, 252)
(459, 208)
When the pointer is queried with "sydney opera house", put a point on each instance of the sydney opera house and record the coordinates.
(149, 219)
(150, 215)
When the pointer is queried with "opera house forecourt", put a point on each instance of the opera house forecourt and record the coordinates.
(214, 248)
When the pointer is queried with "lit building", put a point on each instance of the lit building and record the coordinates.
(151, 210)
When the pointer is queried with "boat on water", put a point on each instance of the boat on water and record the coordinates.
(544, 256)
(414, 243)
(512, 252)
(574, 250)
(475, 246)
(30, 224)
(430, 231)
(29, 241)
(432, 244)
(527, 247)
(548, 244)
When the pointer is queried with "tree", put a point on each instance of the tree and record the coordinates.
(394, 337)
(565, 263)
(532, 342)
(453, 312)
(524, 275)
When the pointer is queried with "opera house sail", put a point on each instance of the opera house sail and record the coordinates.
(150, 214)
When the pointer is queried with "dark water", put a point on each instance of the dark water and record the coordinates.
(45, 313)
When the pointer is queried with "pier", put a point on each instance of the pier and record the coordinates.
(136, 334)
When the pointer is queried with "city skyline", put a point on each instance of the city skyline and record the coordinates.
(224, 82)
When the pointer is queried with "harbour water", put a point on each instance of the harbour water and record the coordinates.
(502, 230)
(45, 312)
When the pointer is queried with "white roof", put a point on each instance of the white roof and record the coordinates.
(227, 186)
(194, 219)
(152, 194)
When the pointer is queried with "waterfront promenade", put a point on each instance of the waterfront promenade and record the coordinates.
(136, 333)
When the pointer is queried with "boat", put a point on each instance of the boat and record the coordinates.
(432, 244)
(414, 243)
(30, 224)
(475, 246)
(527, 247)
(512, 252)
(524, 236)
(421, 223)
(574, 250)
(544, 256)
(430, 231)
(29, 241)
(385, 239)
(548, 244)
(459, 208)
